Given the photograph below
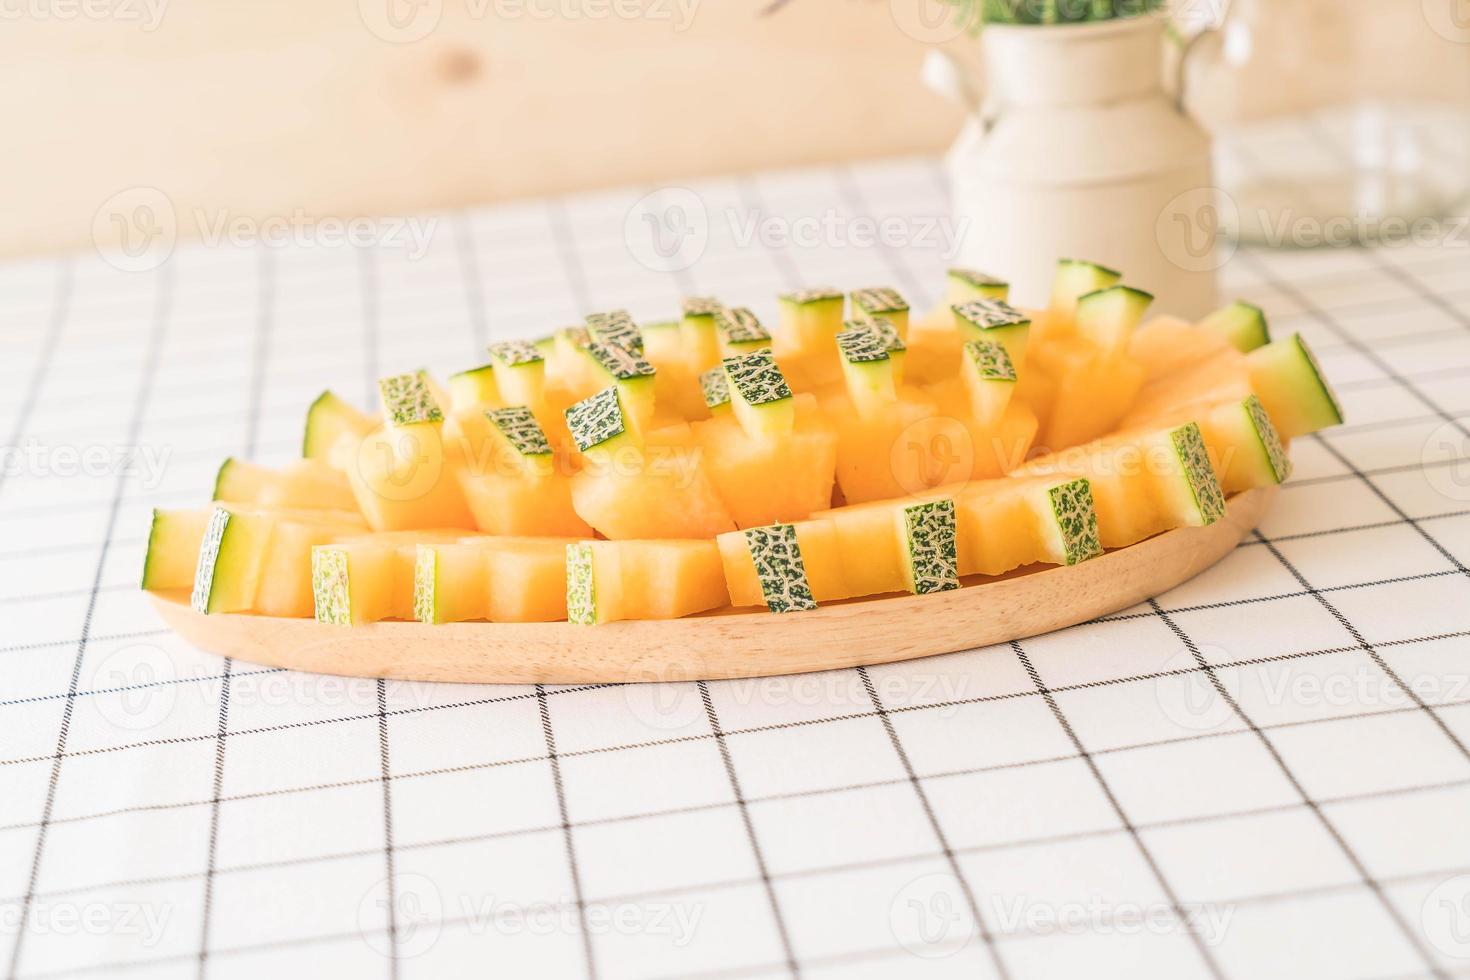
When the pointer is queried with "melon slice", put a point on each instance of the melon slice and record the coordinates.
(1092, 391)
(303, 484)
(1244, 445)
(1075, 279)
(450, 582)
(1167, 345)
(231, 554)
(867, 371)
(173, 548)
(475, 388)
(740, 332)
(404, 475)
(330, 421)
(615, 580)
(810, 320)
(512, 480)
(926, 534)
(767, 481)
(716, 391)
(527, 579)
(997, 322)
(883, 456)
(616, 328)
(1107, 317)
(990, 378)
(759, 394)
(632, 375)
(882, 302)
(1241, 324)
(894, 546)
(784, 567)
(1007, 524)
(888, 335)
(1293, 388)
(656, 490)
(1144, 483)
(568, 364)
(285, 587)
(603, 423)
(968, 285)
(520, 373)
(963, 448)
(367, 578)
(701, 340)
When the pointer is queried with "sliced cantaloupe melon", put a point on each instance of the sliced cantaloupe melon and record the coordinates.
(513, 481)
(997, 322)
(613, 580)
(404, 473)
(520, 373)
(810, 320)
(659, 489)
(1241, 324)
(965, 449)
(740, 332)
(1243, 443)
(1107, 318)
(615, 327)
(1092, 390)
(475, 388)
(867, 372)
(1166, 345)
(332, 427)
(1076, 278)
(631, 374)
(1291, 385)
(882, 301)
(697, 333)
(759, 395)
(880, 457)
(370, 577)
(990, 378)
(173, 548)
(767, 481)
(968, 285)
(1217, 378)
(450, 582)
(303, 484)
(527, 579)
(784, 567)
(231, 555)
(1007, 524)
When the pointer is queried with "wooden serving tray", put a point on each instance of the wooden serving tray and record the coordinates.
(732, 643)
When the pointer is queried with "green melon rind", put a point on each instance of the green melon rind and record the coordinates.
(214, 536)
(619, 362)
(990, 314)
(756, 378)
(879, 299)
(1076, 278)
(1241, 323)
(521, 429)
(155, 532)
(885, 330)
(1270, 441)
(1075, 514)
(1194, 460)
(330, 586)
(616, 327)
(326, 418)
(740, 327)
(930, 536)
(975, 279)
(596, 419)
(861, 347)
(425, 584)
(581, 585)
(990, 360)
(408, 400)
(513, 353)
(1327, 392)
(715, 386)
(817, 294)
(779, 569)
(694, 307)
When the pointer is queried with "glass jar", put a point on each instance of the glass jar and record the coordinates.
(1335, 121)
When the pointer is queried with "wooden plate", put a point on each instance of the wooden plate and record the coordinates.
(731, 643)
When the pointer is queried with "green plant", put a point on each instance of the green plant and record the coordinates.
(976, 13)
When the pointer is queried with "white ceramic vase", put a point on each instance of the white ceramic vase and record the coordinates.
(1075, 149)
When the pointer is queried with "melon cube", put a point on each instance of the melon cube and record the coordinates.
(352, 584)
(884, 302)
(174, 537)
(631, 374)
(784, 567)
(759, 394)
(520, 373)
(968, 285)
(997, 322)
(450, 582)
(740, 332)
(303, 484)
(475, 388)
(766, 481)
(1075, 279)
(1107, 317)
(810, 319)
(616, 328)
(1293, 388)
(330, 421)
(1241, 324)
(231, 555)
(657, 490)
(990, 379)
(701, 340)
(867, 371)
(527, 579)
(615, 580)
(1166, 345)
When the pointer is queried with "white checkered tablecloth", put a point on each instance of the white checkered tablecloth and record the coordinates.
(1263, 773)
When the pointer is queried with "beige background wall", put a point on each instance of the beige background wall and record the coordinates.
(270, 106)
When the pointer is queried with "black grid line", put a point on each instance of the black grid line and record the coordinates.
(1175, 906)
(568, 843)
(56, 323)
(390, 879)
(156, 337)
(211, 867)
(1414, 939)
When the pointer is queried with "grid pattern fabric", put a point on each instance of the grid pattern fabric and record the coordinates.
(1262, 773)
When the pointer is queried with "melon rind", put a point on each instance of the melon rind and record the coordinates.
(965, 285)
(621, 364)
(581, 585)
(1276, 458)
(929, 538)
(520, 428)
(1194, 461)
(759, 394)
(327, 419)
(514, 353)
(715, 387)
(214, 536)
(1241, 323)
(616, 327)
(989, 361)
(330, 586)
(408, 399)
(1075, 517)
(739, 329)
(1076, 278)
(879, 300)
(424, 593)
(596, 420)
(778, 568)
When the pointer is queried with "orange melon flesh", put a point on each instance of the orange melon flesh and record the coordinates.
(451, 582)
(933, 350)
(662, 579)
(527, 579)
(389, 560)
(868, 547)
(523, 505)
(285, 576)
(1090, 390)
(1223, 376)
(966, 450)
(658, 491)
(173, 548)
(821, 555)
(404, 478)
(885, 456)
(1166, 344)
(765, 481)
